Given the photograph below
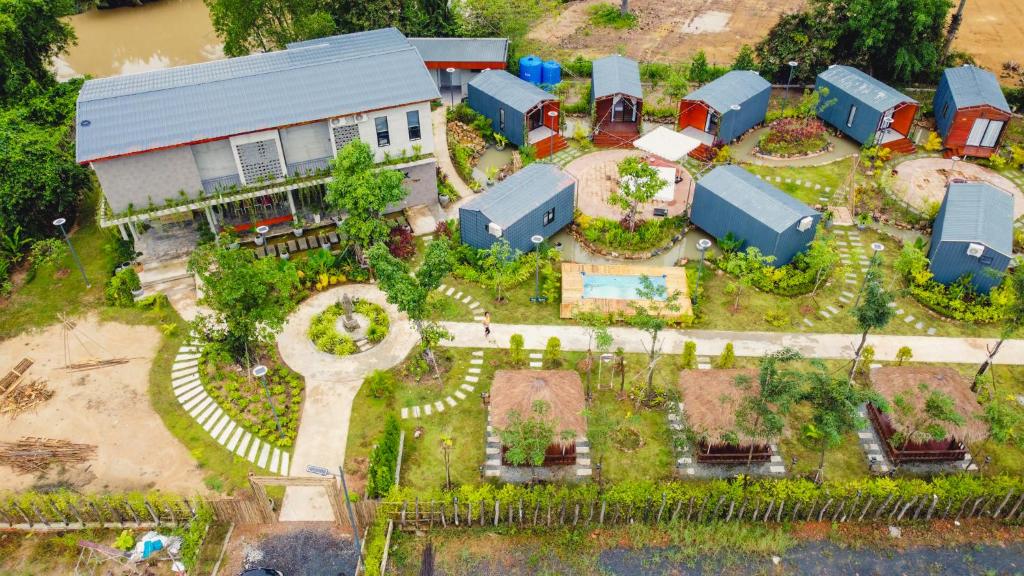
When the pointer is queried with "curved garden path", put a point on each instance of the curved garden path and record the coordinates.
(331, 386)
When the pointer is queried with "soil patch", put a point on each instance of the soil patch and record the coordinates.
(992, 32)
(292, 547)
(105, 407)
(924, 180)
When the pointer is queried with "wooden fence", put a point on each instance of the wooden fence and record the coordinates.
(417, 515)
(68, 511)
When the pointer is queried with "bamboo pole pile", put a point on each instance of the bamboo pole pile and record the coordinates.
(30, 455)
(24, 396)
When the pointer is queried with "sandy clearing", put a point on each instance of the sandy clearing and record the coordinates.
(107, 407)
(993, 32)
(924, 180)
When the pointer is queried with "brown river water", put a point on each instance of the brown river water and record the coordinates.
(135, 39)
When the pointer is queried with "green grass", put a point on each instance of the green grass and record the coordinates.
(37, 303)
(515, 309)
(833, 175)
(610, 16)
(845, 462)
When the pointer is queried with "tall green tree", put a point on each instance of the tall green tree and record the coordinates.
(413, 17)
(653, 310)
(639, 184)
(745, 59)
(248, 26)
(409, 292)
(250, 298)
(834, 404)
(32, 33)
(363, 192)
(528, 440)
(1011, 325)
(761, 412)
(873, 312)
(500, 265)
(596, 324)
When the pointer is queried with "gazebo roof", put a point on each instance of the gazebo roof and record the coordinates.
(517, 390)
(890, 381)
(710, 399)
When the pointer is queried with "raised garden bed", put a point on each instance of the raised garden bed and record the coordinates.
(947, 450)
(610, 238)
(794, 138)
(325, 333)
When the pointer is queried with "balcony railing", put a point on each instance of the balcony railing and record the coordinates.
(222, 183)
(309, 167)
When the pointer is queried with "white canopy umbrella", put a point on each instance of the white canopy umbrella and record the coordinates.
(668, 144)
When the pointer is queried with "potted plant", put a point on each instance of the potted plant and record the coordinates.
(863, 219)
(500, 141)
(492, 171)
(297, 227)
(827, 218)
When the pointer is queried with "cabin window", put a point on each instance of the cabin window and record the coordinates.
(412, 117)
(853, 114)
(501, 119)
(549, 217)
(991, 138)
(945, 110)
(383, 135)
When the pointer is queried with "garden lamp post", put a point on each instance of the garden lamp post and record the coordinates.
(451, 78)
(792, 69)
(952, 168)
(261, 234)
(702, 246)
(537, 298)
(321, 471)
(59, 223)
(553, 114)
(260, 372)
(876, 247)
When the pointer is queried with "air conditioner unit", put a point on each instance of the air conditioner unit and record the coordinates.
(494, 230)
(805, 224)
(975, 250)
(336, 122)
(357, 118)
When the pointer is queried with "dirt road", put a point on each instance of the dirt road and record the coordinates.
(106, 407)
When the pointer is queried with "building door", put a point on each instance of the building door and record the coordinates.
(985, 133)
(978, 131)
(623, 110)
(536, 119)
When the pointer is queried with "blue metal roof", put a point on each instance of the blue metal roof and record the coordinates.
(978, 212)
(616, 75)
(521, 193)
(356, 73)
(516, 93)
(870, 92)
(462, 49)
(734, 87)
(973, 86)
(758, 198)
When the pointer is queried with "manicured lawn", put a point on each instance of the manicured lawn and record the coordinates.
(845, 462)
(37, 303)
(516, 307)
(833, 175)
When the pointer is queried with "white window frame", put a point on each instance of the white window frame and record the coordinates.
(549, 216)
(977, 132)
(387, 131)
(991, 137)
(419, 128)
(852, 115)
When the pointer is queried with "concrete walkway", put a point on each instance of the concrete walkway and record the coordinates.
(711, 342)
(331, 386)
(743, 151)
(439, 123)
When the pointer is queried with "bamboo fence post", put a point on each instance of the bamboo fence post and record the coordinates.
(455, 510)
(444, 520)
(906, 507)
(920, 507)
(821, 513)
(401, 513)
(689, 510)
(975, 508)
(878, 513)
(23, 514)
(1020, 500)
(603, 505)
(152, 513)
(778, 515)
(511, 514)
(896, 508)
(664, 500)
(714, 514)
(561, 515)
(703, 507)
(576, 515)
(931, 507)
(796, 511)
(536, 510)
(768, 512)
(865, 510)
(675, 512)
(839, 510)
(520, 511)
(743, 508)
(497, 511)
(40, 514)
(963, 506)
(590, 518)
(56, 510)
(810, 511)
(732, 505)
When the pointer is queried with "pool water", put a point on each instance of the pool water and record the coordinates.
(614, 287)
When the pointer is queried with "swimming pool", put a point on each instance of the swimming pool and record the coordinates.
(617, 287)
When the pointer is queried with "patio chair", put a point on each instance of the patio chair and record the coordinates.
(302, 244)
(292, 246)
(313, 243)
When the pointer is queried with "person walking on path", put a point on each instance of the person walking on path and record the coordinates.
(487, 325)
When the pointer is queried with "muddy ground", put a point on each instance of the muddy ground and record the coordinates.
(105, 407)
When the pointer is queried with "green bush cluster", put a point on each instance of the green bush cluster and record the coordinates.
(609, 15)
(959, 300)
(324, 333)
(612, 235)
(58, 505)
(119, 288)
(381, 383)
(243, 398)
(794, 279)
(381, 475)
(481, 124)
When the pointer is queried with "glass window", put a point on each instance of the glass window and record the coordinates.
(549, 217)
(501, 119)
(383, 136)
(853, 113)
(413, 118)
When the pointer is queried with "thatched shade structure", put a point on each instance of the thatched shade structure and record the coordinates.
(710, 399)
(891, 381)
(517, 390)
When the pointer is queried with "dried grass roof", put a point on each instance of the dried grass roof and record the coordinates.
(890, 381)
(710, 399)
(517, 390)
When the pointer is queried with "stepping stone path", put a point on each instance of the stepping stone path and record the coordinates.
(474, 306)
(473, 377)
(189, 390)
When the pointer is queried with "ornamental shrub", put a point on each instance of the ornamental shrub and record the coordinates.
(798, 277)
(689, 358)
(383, 458)
(119, 288)
(959, 300)
(728, 357)
(381, 383)
(516, 355)
(553, 353)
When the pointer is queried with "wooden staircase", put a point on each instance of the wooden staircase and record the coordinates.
(901, 146)
(703, 153)
(550, 146)
(616, 138)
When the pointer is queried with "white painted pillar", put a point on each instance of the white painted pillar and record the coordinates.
(291, 202)
(133, 230)
(210, 219)
(124, 233)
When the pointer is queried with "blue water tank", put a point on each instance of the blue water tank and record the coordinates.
(551, 73)
(529, 69)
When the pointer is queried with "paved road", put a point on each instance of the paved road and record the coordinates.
(331, 386)
(711, 342)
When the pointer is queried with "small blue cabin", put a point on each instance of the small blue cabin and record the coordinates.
(731, 200)
(538, 200)
(972, 234)
(723, 110)
(518, 110)
(865, 109)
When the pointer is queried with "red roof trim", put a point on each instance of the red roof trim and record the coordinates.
(475, 65)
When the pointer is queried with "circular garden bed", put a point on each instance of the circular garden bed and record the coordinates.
(794, 138)
(328, 333)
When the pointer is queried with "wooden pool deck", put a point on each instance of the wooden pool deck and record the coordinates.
(572, 288)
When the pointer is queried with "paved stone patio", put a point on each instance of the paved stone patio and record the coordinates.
(598, 177)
